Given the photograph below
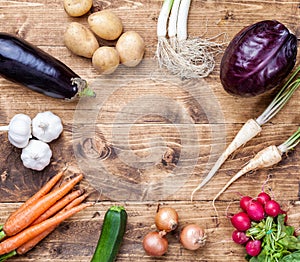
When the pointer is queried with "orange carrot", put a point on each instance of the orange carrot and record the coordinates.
(58, 205)
(12, 243)
(34, 241)
(43, 191)
(76, 201)
(33, 211)
(27, 246)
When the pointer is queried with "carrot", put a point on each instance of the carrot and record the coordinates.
(43, 191)
(12, 243)
(267, 157)
(25, 217)
(58, 205)
(253, 126)
(34, 241)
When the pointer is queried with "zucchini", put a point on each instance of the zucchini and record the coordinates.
(113, 230)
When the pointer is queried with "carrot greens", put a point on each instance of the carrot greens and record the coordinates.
(254, 126)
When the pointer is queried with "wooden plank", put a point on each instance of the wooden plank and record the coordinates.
(144, 127)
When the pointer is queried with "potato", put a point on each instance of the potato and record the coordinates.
(80, 40)
(77, 7)
(105, 24)
(131, 48)
(106, 59)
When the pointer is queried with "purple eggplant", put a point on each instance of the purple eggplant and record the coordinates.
(258, 59)
(28, 65)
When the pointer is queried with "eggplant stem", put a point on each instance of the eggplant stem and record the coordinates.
(83, 88)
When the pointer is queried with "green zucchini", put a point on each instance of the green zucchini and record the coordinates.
(112, 233)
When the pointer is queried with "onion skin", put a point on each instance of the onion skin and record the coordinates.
(192, 237)
(258, 59)
(155, 243)
(166, 219)
(26, 64)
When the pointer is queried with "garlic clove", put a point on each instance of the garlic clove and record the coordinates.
(36, 155)
(46, 126)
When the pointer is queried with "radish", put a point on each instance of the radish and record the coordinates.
(241, 221)
(239, 237)
(255, 211)
(263, 198)
(253, 126)
(244, 202)
(272, 208)
(253, 247)
(265, 158)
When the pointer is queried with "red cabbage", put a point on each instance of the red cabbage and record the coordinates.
(258, 59)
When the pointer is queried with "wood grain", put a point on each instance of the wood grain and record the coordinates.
(148, 138)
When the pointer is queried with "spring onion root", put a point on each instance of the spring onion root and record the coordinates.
(182, 56)
(265, 158)
(253, 127)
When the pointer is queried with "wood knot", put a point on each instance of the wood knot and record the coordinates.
(96, 148)
(169, 157)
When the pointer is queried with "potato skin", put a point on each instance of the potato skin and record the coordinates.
(131, 48)
(106, 59)
(77, 8)
(80, 40)
(105, 24)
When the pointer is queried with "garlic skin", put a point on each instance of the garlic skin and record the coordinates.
(36, 155)
(19, 130)
(46, 126)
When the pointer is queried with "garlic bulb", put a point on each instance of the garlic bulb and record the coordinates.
(36, 155)
(46, 126)
(19, 130)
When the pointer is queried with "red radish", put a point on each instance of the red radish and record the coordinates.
(255, 211)
(272, 208)
(239, 237)
(263, 197)
(244, 202)
(241, 221)
(253, 247)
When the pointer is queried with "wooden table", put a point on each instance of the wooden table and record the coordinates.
(147, 139)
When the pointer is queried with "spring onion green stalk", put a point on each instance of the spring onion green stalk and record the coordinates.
(253, 126)
(267, 157)
(172, 28)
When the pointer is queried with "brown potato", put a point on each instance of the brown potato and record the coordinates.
(80, 40)
(106, 59)
(77, 8)
(131, 48)
(105, 24)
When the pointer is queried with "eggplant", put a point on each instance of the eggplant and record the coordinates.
(258, 59)
(23, 63)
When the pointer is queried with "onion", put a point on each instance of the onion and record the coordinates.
(192, 237)
(166, 219)
(155, 243)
